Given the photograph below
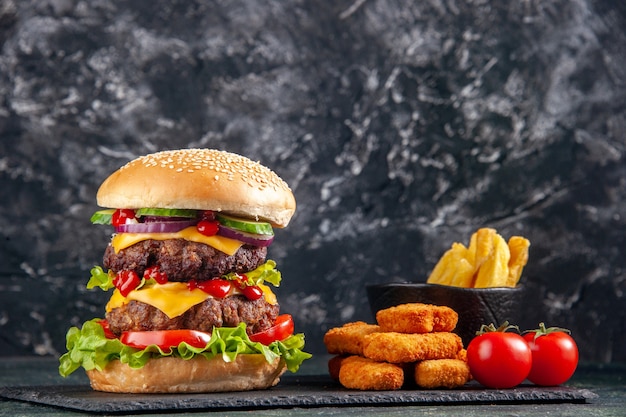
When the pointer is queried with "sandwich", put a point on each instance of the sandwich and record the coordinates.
(191, 307)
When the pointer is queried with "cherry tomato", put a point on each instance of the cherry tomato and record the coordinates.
(498, 359)
(126, 281)
(154, 273)
(120, 216)
(282, 329)
(555, 355)
(208, 227)
(216, 287)
(165, 339)
(107, 330)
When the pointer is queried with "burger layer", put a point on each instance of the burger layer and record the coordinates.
(174, 375)
(214, 312)
(182, 260)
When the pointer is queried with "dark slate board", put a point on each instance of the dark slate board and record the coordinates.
(304, 391)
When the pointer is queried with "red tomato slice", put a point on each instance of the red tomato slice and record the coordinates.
(120, 216)
(282, 329)
(165, 339)
(107, 330)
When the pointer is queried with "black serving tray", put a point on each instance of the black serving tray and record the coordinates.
(293, 391)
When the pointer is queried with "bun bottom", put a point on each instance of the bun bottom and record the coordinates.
(175, 375)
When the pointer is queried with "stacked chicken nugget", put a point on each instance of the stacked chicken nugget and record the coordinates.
(411, 343)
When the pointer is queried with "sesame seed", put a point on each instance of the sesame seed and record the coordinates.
(214, 162)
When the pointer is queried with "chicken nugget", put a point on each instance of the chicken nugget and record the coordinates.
(442, 373)
(334, 365)
(403, 347)
(417, 318)
(365, 374)
(348, 339)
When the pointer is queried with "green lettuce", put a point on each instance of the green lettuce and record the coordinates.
(89, 347)
(101, 279)
(262, 274)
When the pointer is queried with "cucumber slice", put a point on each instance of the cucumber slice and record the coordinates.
(102, 216)
(248, 226)
(166, 212)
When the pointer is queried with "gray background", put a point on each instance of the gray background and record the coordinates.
(400, 126)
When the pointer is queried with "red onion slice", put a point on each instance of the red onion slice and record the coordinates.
(156, 227)
(249, 238)
(164, 219)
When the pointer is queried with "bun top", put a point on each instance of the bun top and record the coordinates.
(201, 179)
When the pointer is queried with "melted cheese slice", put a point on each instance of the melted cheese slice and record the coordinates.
(173, 298)
(228, 246)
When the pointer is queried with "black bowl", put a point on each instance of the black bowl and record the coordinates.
(475, 306)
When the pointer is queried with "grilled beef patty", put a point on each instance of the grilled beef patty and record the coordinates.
(183, 260)
(218, 312)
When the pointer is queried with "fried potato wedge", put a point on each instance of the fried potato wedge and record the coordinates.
(454, 266)
(519, 247)
(488, 261)
(494, 272)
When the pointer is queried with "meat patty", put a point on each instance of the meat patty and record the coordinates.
(182, 260)
(225, 312)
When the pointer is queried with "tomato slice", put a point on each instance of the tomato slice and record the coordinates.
(165, 339)
(282, 329)
(122, 216)
(107, 330)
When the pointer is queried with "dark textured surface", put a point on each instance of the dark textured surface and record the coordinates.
(475, 306)
(308, 391)
(400, 126)
(601, 387)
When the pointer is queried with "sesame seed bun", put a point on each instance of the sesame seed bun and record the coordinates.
(201, 179)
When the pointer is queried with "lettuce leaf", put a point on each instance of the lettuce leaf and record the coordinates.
(88, 347)
(262, 274)
(101, 279)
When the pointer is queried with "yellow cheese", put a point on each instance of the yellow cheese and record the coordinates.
(228, 246)
(269, 296)
(173, 298)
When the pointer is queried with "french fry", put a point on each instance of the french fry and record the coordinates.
(488, 261)
(483, 246)
(441, 271)
(494, 272)
(461, 268)
(519, 258)
(463, 275)
(453, 268)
